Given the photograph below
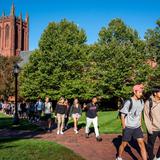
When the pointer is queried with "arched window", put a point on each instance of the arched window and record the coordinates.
(7, 36)
(0, 37)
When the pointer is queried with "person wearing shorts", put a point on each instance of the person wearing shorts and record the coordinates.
(60, 113)
(75, 113)
(131, 122)
(48, 112)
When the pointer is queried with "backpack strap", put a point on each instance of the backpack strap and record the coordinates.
(131, 104)
(150, 108)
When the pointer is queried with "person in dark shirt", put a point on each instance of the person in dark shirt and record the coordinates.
(75, 113)
(60, 113)
(67, 114)
(91, 114)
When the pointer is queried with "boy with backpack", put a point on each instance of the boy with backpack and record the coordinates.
(131, 114)
(152, 121)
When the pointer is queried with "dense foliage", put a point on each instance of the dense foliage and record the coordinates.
(64, 65)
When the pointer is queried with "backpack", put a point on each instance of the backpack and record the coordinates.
(130, 106)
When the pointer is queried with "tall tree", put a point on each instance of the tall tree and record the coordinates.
(152, 38)
(56, 68)
(120, 59)
(6, 75)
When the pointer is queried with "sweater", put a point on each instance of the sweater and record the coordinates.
(152, 125)
(74, 109)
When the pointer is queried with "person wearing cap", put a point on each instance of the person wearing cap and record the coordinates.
(152, 121)
(131, 114)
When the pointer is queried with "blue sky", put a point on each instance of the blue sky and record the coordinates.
(91, 15)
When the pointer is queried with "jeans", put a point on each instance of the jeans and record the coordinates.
(150, 144)
(95, 124)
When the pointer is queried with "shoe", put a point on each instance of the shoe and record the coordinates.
(76, 132)
(99, 139)
(86, 135)
(61, 132)
(118, 158)
(157, 158)
(57, 132)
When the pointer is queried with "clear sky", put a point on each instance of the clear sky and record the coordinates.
(91, 15)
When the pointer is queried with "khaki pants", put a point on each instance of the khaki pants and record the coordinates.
(95, 124)
(60, 118)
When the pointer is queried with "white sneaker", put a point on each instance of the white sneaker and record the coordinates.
(61, 132)
(76, 132)
(119, 158)
(157, 158)
(57, 132)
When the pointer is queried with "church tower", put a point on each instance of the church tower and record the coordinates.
(14, 34)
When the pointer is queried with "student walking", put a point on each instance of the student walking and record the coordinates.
(67, 114)
(39, 107)
(91, 117)
(60, 113)
(48, 113)
(152, 121)
(131, 115)
(75, 113)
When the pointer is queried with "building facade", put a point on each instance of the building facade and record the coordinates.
(14, 34)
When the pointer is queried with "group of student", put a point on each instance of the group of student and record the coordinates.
(131, 117)
(64, 111)
(132, 112)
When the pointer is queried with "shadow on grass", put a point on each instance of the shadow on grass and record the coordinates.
(117, 142)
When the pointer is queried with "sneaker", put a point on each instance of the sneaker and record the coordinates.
(99, 139)
(157, 158)
(119, 158)
(61, 132)
(86, 135)
(76, 132)
(58, 132)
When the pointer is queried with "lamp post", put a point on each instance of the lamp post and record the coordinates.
(16, 70)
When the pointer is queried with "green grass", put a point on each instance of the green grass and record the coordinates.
(6, 121)
(108, 122)
(30, 149)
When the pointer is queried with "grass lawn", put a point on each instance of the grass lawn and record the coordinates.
(108, 122)
(30, 149)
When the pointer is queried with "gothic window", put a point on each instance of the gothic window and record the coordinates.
(7, 36)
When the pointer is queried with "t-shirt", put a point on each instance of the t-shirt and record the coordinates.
(91, 110)
(39, 105)
(133, 118)
(47, 108)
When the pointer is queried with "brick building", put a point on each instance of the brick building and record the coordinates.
(14, 34)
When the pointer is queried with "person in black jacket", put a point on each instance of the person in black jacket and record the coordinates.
(60, 113)
(91, 114)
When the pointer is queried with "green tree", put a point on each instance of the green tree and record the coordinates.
(6, 75)
(56, 68)
(119, 57)
(152, 38)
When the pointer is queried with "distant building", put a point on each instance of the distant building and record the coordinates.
(14, 34)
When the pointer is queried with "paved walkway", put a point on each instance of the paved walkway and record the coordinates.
(89, 149)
